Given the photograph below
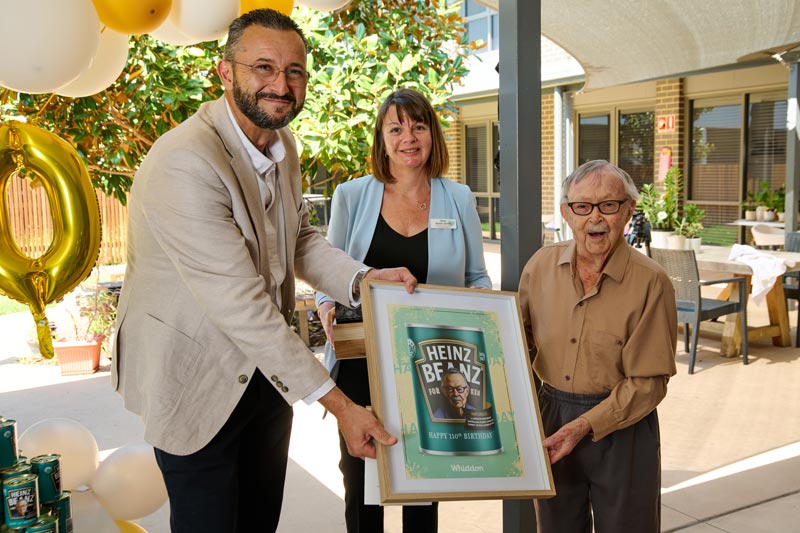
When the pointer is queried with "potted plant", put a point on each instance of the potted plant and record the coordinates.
(777, 202)
(749, 205)
(691, 225)
(87, 321)
(763, 199)
(660, 208)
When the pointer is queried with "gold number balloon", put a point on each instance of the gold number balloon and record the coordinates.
(73, 252)
(283, 6)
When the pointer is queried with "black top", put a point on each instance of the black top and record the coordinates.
(389, 249)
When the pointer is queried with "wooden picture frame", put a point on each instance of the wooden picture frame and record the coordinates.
(451, 379)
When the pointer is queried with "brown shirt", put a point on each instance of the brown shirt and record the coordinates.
(619, 338)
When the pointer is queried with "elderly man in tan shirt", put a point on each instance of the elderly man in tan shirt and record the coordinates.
(601, 320)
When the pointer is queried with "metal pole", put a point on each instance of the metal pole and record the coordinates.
(520, 169)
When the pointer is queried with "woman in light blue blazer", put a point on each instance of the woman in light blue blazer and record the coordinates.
(404, 214)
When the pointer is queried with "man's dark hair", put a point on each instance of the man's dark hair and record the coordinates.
(268, 18)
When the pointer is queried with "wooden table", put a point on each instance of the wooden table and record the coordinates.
(715, 258)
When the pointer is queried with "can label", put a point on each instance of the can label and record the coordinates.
(453, 391)
(48, 470)
(8, 443)
(20, 502)
(45, 524)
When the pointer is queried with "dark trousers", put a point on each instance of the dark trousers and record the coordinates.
(235, 483)
(352, 378)
(616, 480)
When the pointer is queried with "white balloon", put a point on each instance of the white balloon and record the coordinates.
(89, 515)
(170, 34)
(324, 5)
(206, 20)
(46, 44)
(71, 440)
(105, 68)
(129, 483)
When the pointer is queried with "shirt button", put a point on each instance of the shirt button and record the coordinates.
(243, 379)
(619, 343)
(580, 304)
(567, 378)
(274, 378)
(573, 340)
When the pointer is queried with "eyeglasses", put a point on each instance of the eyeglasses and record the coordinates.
(451, 390)
(606, 207)
(295, 76)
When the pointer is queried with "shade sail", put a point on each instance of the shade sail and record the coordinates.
(625, 41)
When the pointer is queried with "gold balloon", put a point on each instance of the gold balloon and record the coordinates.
(133, 17)
(56, 166)
(283, 6)
(129, 527)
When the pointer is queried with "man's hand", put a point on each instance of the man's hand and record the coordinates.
(360, 428)
(394, 274)
(327, 312)
(562, 442)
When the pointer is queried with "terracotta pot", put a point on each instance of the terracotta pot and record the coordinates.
(82, 357)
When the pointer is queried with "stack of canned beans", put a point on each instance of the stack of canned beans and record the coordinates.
(33, 501)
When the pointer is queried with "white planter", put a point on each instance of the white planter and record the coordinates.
(781, 216)
(677, 242)
(750, 214)
(769, 216)
(693, 244)
(659, 238)
(761, 212)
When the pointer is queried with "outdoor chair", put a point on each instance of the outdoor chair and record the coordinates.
(681, 267)
(791, 280)
(767, 236)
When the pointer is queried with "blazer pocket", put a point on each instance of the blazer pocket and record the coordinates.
(173, 359)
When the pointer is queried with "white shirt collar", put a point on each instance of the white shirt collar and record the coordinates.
(261, 161)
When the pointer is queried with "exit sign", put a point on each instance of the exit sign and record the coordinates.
(666, 124)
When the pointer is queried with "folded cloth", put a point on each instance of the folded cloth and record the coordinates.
(766, 269)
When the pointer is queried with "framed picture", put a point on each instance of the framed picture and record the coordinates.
(450, 378)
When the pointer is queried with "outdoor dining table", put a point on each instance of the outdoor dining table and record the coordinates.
(715, 258)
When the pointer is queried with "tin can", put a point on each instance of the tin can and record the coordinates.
(8, 443)
(452, 391)
(16, 470)
(20, 501)
(45, 524)
(61, 509)
(48, 469)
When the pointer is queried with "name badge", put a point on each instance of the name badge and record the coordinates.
(443, 223)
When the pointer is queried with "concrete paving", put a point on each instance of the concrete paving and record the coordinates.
(730, 439)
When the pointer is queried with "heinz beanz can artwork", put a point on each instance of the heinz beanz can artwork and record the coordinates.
(452, 391)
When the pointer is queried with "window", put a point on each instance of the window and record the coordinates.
(594, 136)
(481, 144)
(766, 143)
(634, 142)
(482, 24)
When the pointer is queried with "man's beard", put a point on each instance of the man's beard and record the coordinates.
(248, 104)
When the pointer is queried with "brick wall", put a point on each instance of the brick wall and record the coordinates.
(670, 101)
(452, 137)
(548, 149)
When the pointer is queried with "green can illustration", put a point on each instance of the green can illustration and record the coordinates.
(48, 470)
(8, 443)
(452, 391)
(20, 501)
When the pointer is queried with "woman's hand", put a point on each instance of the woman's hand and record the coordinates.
(327, 312)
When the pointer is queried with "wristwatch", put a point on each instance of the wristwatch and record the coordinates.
(357, 283)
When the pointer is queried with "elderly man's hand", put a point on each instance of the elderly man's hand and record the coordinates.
(562, 442)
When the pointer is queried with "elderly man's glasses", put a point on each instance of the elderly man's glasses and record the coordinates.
(295, 76)
(606, 207)
(451, 390)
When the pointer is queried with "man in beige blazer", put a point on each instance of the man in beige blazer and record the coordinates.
(218, 230)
